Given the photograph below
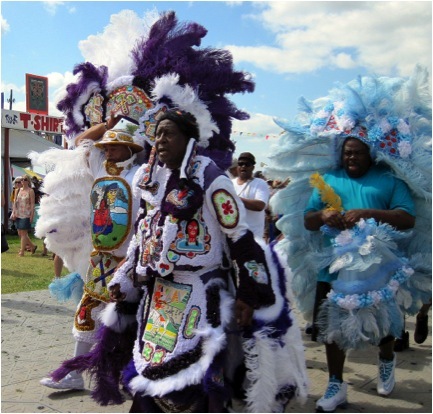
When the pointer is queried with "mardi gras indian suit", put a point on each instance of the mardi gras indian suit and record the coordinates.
(379, 273)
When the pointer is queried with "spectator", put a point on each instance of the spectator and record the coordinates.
(23, 212)
(253, 192)
(17, 184)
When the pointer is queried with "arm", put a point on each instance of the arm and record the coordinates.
(96, 132)
(259, 196)
(32, 204)
(313, 220)
(397, 218)
(254, 205)
(14, 205)
(254, 289)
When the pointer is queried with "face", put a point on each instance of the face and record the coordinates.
(355, 158)
(111, 195)
(25, 181)
(170, 143)
(245, 169)
(117, 152)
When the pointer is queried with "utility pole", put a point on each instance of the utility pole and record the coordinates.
(7, 168)
(11, 100)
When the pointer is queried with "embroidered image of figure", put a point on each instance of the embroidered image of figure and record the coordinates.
(169, 302)
(110, 213)
(192, 231)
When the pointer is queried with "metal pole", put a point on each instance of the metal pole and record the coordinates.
(7, 169)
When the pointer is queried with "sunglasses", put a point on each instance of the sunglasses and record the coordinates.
(244, 164)
(18, 182)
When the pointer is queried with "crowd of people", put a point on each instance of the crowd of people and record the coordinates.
(186, 300)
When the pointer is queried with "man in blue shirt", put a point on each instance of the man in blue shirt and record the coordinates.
(366, 191)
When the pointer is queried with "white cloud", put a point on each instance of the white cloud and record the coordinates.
(259, 124)
(52, 6)
(253, 137)
(6, 88)
(5, 25)
(58, 82)
(111, 47)
(379, 36)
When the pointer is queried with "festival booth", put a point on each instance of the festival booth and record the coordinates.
(19, 136)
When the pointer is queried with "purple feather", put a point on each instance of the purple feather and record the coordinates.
(88, 74)
(173, 47)
(105, 362)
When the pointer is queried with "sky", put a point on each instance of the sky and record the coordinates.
(291, 48)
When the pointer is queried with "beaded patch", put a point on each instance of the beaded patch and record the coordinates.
(83, 320)
(192, 239)
(168, 304)
(129, 101)
(256, 271)
(145, 182)
(99, 274)
(179, 198)
(226, 209)
(148, 122)
(93, 109)
(111, 213)
(192, 320)
(151, 246)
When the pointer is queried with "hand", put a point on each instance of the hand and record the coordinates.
(113, 120)
(351, 217)
(115, 294)
(333, 218)
(243, 313)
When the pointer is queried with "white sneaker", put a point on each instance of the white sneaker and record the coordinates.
(386, 376)
(335, 396)
(67, 383)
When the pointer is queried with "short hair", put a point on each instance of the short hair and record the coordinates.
(185, 121)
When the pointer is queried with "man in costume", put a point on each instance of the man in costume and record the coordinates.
(190, 238)
(366, 192)
(185, 311)
(369, 160)
(112, 163)
(253, 192)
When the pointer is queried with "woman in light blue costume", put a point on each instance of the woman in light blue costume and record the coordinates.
(379, 273)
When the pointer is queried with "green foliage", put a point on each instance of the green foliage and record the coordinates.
(26, 273)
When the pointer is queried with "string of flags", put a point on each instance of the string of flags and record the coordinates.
(255, 134)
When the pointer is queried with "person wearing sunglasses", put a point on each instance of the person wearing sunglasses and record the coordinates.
(254, 193)
(23, 212)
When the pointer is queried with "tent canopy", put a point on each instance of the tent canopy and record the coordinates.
(23, 142)
(19, 171)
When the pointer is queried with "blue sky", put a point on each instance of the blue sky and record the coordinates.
(292, 48)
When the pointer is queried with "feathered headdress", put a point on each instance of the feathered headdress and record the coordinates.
(169, 71)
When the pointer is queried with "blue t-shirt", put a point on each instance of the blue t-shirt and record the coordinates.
(377, 189)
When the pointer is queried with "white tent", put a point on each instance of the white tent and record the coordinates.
(23, 142)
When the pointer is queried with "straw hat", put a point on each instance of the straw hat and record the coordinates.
(118, 137)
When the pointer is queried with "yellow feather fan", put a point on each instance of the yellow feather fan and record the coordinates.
(327, 193)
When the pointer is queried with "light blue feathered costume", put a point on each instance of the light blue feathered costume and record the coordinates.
(397, 114)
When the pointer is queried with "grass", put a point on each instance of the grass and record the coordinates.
(27, 273)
